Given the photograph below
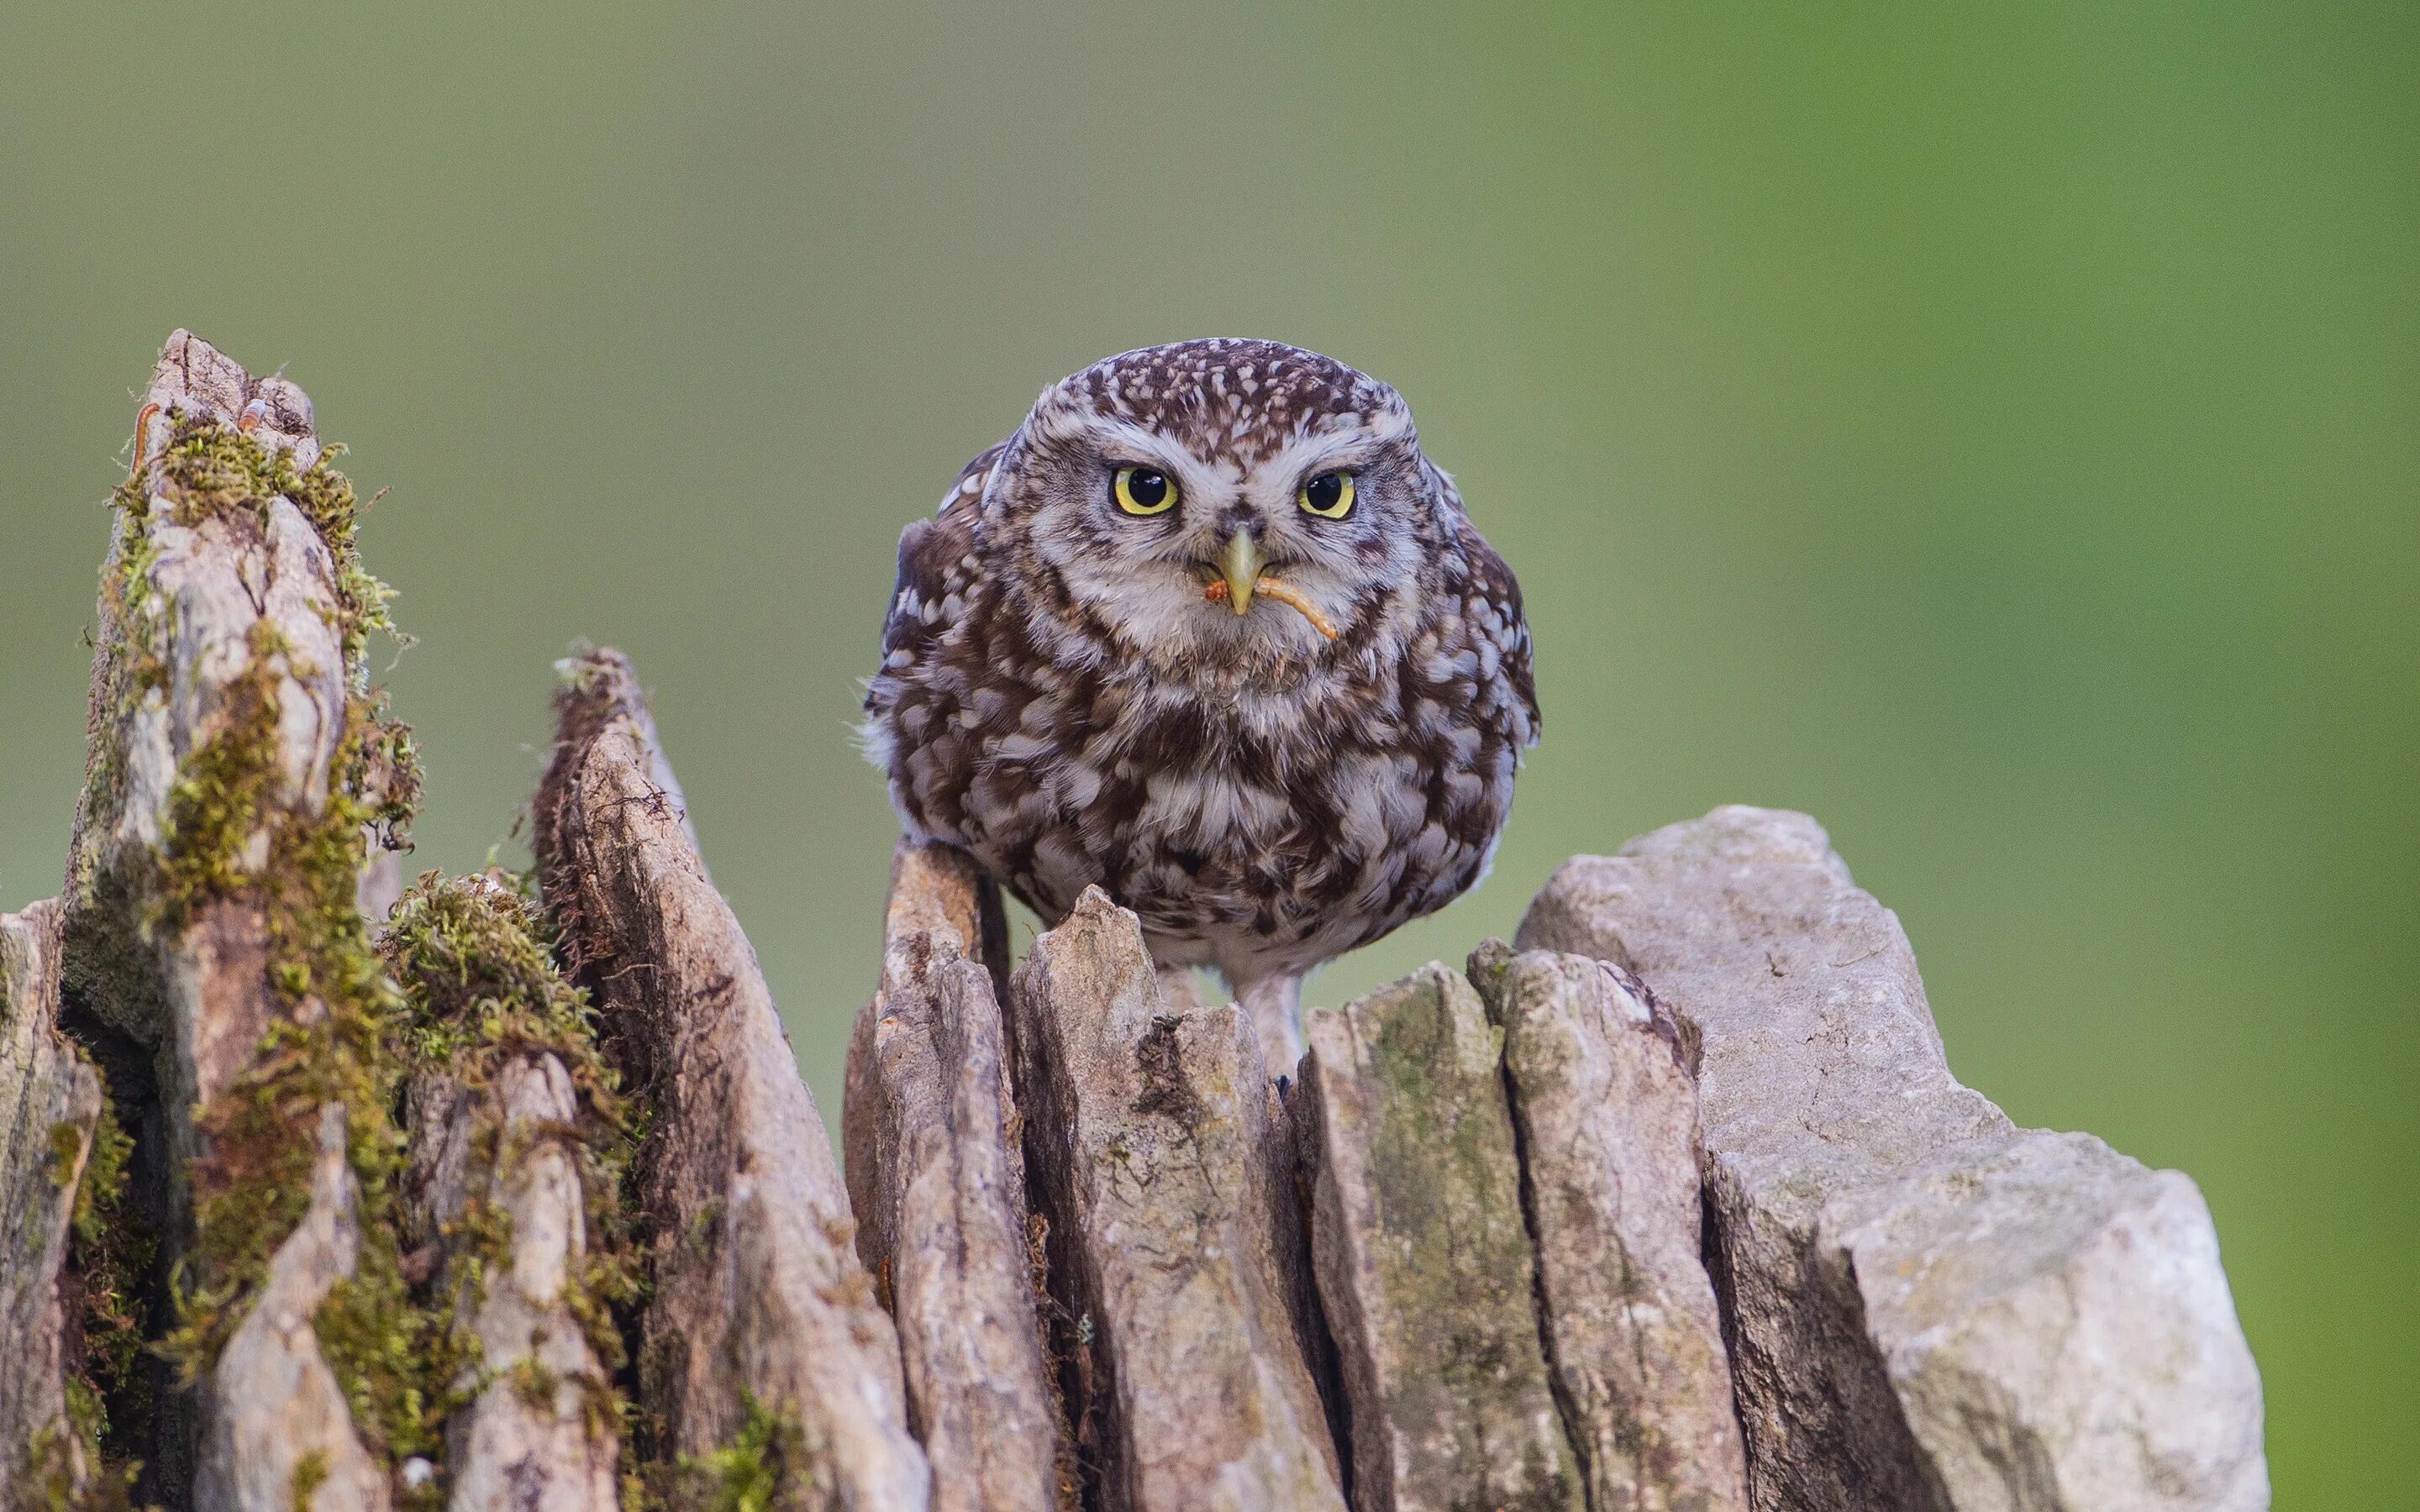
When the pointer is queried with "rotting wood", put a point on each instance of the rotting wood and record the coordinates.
(1422, 1257)
(513, 1152)
(1148, 1134)
(50, 1107)
(237, 770)
(760, 1305)
(1928, 1308)
(937, 1172)
(1603, 1096)
(540, 1434)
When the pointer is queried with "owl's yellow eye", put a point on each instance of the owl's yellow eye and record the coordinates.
(1143, 491)
(1329, 495)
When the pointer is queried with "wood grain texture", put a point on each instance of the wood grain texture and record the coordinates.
(932, 1141)
(759, 1297)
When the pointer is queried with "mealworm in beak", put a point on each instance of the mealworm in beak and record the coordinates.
(1283, 592)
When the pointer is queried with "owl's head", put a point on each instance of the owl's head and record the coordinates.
(1219, 504)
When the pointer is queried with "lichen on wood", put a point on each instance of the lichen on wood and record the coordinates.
(1422, 1255)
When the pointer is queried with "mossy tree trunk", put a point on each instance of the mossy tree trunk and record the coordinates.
(234, 781)
(382, 1219)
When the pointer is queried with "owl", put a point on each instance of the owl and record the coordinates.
(1209, 630)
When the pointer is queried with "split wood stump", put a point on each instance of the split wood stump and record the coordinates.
(321, 1190)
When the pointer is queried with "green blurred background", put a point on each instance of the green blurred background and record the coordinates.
(1995, 429)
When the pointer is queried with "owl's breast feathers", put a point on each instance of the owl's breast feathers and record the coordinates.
(1253, 829)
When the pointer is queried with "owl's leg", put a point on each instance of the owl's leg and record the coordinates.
(1275, 1004)
(1178, 991)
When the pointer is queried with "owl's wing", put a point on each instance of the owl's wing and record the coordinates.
(1485, 580)
(935, 567)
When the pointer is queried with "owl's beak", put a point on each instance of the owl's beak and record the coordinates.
(1240, 566)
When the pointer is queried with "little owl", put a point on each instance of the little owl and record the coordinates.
(1211, 632)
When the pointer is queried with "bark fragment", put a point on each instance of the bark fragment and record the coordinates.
(759, 1299)
(1928, 1308)
(209, 914)
(1608, 1109)
(50, 1105)
(936, 1170)
(541, 1435)
(517, 1155)
(1423, 1259)
(1147, 1132)
(278, 1422)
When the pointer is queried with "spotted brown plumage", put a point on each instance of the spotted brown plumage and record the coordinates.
(1059, 695)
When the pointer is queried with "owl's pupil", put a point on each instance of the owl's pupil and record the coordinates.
(1322, 491)
(1146, 489)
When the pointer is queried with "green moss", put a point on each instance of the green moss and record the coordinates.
(137, 664)
(109, 1252)
(752, 1472)
(335, 1038)
(223, 791)
(768, 1466)
(209, 469)
(330, 1044)
(533, 1382)
(107, 1255)
(67, 1147)
(47, 1479)
(310, 1474)
(476, 962)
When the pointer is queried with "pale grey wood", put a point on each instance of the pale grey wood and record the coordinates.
(1930, 1307)
(759, 1295)
(50, 1102)
(1150, 1138)
(1601, 1089)
(936, 1170)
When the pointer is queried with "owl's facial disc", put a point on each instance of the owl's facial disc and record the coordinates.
(1144, 526)
(1219, 532)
